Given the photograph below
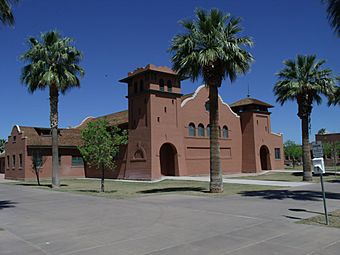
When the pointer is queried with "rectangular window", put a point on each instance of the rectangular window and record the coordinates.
(37, 159)
(20, 160)
(77, 161)
(14, 139)
(13, 161)
(277, 153)
(8, 163)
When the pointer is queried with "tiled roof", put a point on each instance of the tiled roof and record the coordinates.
(149, 67)
(116, 118)
(249, 101)
(35, 136)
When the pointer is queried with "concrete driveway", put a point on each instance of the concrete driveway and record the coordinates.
(38, 222)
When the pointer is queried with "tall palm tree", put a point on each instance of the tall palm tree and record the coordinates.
(333, 11)
(302, 80)
(53, 64)
(211, 47)
(6, 15)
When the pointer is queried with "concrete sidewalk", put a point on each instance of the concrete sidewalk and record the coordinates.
(238, 181)
(36, 221)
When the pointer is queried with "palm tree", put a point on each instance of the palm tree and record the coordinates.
(333, 11)
(302, 80)
(6, 15)
(212, 48)
(53, 64)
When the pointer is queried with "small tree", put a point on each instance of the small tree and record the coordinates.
(38, 160)
(101, 144)
(2, 145)
(322, 131)
(293, 151)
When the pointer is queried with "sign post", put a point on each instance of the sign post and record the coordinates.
(319, 168)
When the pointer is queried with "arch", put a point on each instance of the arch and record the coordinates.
(265, 158)
(225, 132)
(168, 160)
(161, 85)
(200, 130)
(169, 84)
(192, 129)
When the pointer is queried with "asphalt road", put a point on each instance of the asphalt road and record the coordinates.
(34, 222)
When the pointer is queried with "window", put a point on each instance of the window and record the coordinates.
(200, 130)
(13, 161)
(37, 159)
(141, 85)
(277, 153)
(135, 88)
(20, 160)
(77, 161)
(8, 163)
(165, 109)
(208, 130)
(14, 139)
(161, 85)
(207, 106)
(225, 131)
(192, 131)
(169, 86)
(219, 131)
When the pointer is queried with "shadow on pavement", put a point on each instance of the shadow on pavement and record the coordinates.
(95, 191)
(287, 194)
(174, 189)
(36, 185)
(6, 204)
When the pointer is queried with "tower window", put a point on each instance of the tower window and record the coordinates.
(200, 130)
(192, 130)
(161, 85)
(225, 132)
(158, 119)
(141, 85)
(219, 131)
(165, 109)
(135, 88)
(169, 84)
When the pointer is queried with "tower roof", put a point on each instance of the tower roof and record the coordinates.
(149, 67)
(250, 101)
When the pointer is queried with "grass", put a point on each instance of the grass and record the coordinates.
(123, 190)
(328, 168)
(333, 218)
(290, 177)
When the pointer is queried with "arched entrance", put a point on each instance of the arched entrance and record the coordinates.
(168, 159)
(265, 158)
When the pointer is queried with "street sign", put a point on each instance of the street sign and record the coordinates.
(317, 150)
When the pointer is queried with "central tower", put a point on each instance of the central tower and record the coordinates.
(155, 145)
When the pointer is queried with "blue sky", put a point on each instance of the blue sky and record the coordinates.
(119, 36)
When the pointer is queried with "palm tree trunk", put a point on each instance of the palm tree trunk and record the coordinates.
(216, 183)
(102, 180)
(307, 170)
(54, 94)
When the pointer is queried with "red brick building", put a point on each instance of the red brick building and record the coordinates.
(169, 133)
(334, 140)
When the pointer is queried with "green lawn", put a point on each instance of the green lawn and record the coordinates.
(328, 168)
(289, 177)
(333, 218)
(122, 190)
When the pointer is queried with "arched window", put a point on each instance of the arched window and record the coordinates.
(225, 132)
(141, 85)
(208, 130)
(200, 130)
(169, 84)
(207, 106)
(192, 130)
(219, 131)
(161, 85)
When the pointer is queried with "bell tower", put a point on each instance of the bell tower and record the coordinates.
(154, 101)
